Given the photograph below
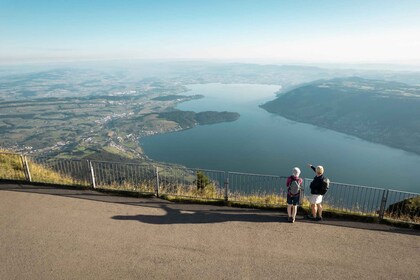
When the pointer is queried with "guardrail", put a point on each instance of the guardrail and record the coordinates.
(57, 171)
(257, 188)
(179, 181)
(122, 176)
(401, 205)
(239, 187)
(354, 198)
(16, 164)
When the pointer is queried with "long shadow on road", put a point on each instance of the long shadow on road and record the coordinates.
(196, 216)
(177, 213)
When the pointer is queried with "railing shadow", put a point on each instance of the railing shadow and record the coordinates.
(78, 193)
(191, 213)
(371, 226)
(174, 215)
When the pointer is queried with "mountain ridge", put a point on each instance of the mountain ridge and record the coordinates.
(375, 110)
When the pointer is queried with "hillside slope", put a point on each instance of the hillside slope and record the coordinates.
(378, 111)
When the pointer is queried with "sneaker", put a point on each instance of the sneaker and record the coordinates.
(310, 217)
(319, 219)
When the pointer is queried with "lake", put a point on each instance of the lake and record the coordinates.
(264, 143)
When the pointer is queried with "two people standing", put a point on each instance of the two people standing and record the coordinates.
(318, 189)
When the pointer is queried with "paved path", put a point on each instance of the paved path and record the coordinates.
(48, 233)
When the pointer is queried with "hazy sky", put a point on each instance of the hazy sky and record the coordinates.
(301, 31)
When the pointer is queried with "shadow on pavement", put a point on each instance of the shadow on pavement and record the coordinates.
(195, 216)
(363, 225)
(177, 213)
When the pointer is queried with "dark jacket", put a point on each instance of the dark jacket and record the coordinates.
(316, 184)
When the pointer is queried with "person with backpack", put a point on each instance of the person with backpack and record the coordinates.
(294, 186)
(319, 187)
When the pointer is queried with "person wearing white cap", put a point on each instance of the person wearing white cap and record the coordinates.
(294, 185)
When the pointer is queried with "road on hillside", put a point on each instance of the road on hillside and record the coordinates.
(55, 233)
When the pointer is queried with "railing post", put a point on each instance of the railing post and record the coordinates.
(157, 182)
(226, 187)
(92, 174)
(383, 204)
(26, 168)
(302, 192)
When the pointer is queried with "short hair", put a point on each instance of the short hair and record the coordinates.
(296, 171)
(319, 170)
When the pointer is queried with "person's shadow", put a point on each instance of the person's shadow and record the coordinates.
(194, 215)
(176, 216)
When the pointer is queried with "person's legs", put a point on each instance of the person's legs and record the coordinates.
(314, 209)
(289, 210)
(320, 210)
(294, 211)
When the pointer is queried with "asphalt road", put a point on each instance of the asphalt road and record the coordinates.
(48, 233)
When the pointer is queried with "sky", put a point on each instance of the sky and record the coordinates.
(328, 31)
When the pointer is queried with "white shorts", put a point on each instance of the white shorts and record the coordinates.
(315, 199)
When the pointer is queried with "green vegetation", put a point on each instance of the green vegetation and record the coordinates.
(11, 166)
(85, 111)
(406, 209)
(202, 181)
(173, 97)
(211, 117)
(199, 189)
(378, 111)
(113, 124)
(187, 119)
(143, 188)
(210, 192)
(42, 174)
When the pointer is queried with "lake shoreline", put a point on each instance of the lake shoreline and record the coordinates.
(260, 142)
(345, 132)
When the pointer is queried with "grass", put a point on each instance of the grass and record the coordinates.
(146, 187)
(191, 191)
(401, 217)
(42, 174)
(11, 167)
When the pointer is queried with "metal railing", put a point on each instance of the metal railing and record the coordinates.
(58, 171)
(257, 188)
(206, 184)
(401, 205)
(123, 176)
(179, 181)
(353, 198)
(12, 166)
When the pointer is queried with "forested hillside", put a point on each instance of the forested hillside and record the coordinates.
(378, 111)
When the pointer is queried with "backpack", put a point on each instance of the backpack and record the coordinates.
(294, 187)
(325, 186)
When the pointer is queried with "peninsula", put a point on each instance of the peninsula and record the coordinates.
(375, 110)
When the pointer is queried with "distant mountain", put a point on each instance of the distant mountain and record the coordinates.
(76, 80)
(379, 111)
